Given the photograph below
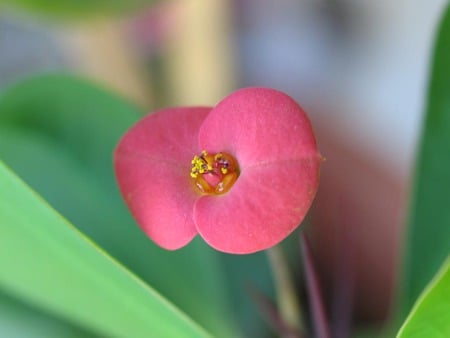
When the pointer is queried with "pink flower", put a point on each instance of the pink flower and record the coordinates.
(242, 174)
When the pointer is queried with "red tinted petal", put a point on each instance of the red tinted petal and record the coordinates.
(152, 164)
(169, 135)
(265, 205)
(258, 125)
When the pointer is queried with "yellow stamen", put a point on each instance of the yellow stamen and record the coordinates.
(214, 174)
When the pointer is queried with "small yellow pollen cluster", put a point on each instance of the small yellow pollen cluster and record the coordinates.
(214, 173)
(200, 165)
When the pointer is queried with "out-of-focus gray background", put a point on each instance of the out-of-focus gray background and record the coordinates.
(367, 60)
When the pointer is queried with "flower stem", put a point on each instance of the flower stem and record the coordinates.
(287, 298)
(318, 315)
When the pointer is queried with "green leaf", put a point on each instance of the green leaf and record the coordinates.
(430, 316)
(13, 315)
(77, 8)
(58, 134)
(429, 231)
(244, 272)
(47, 261)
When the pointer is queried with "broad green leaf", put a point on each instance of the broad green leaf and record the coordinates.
(77, 8)
(51, 264)
(13, 315)
(58, 133)
(429, 231)
(430, 316)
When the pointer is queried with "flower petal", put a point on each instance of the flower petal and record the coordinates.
(168, 135)
(264, 206)
(258, 125)
(152, 164)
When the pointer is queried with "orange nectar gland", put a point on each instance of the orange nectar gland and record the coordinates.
(214, 173)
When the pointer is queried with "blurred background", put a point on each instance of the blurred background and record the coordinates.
(358, 68)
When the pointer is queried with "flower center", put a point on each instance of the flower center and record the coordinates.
(214, 173)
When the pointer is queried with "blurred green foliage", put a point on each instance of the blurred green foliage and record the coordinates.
(78, 8)
(58, 134)
(428, 237)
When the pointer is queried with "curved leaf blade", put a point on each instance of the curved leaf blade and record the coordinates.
(430, 316)
(51, 264)
(13, 313)
(429, 232)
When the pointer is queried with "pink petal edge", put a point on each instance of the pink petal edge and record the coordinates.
(273, 142)
(258, 125)
(152, 164)
(264, 206)
(272, 139)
